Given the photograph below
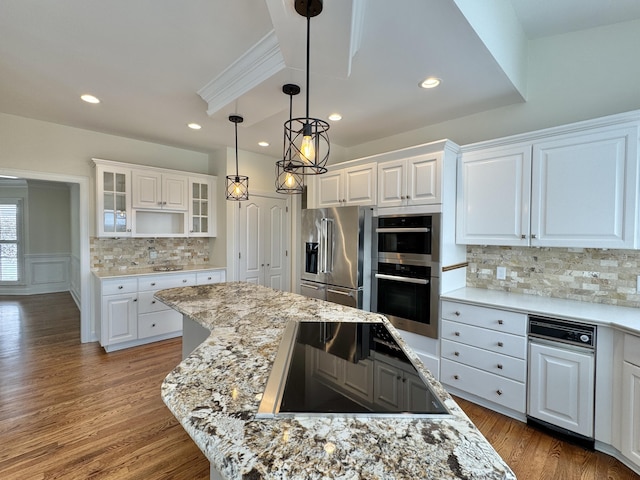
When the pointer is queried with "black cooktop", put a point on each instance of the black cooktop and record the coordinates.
(345, 368)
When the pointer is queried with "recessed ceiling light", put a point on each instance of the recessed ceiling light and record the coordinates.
(430, 82)
(194, 126)
(90, 98)
(334, 117)
(263, 144)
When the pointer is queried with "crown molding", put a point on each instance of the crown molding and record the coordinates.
(256, 65)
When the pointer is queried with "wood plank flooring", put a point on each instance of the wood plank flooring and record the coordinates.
(71, 411)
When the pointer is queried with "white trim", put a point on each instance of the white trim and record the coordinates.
(87, 334)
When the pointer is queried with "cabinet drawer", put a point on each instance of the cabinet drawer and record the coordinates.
(504, 343)
(148, 304)
(158, 323)
(121, 285)
(494, 388)
(160, 282)
(513, 368)
(500, 320)
(632, 349)
(208, 277)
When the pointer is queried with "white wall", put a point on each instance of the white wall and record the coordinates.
(49, 218)
(571, 77)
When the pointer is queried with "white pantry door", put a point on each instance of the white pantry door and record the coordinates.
(263, 255)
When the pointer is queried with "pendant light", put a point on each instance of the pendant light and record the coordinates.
(306, 139)
(238, 185)
(288, 179)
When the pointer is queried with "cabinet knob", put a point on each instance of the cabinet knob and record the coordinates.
(135, 299)
(153, 324)
(153, 302)
(398, 377)
(499, 392)
(457, 354)
(457, 334)
(128, 229)
(153, 284)
(344, 200)
(500, 322)
(184, 280)
(262, 264)
(523, 236)
(533, 235)
(120, 287)
(456, 313)
(401, 197)
(208, 278)
(456, 377)
(268, 264)
(408, 197)
(500, 344)
(499, 366)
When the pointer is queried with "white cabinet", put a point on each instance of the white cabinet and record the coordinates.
(118, 311)
(410, 181)
(630, 411)
(113, 200)
(396, 388)
(354, 185)
(202, 215)
(484, 356)
(156, 190)
(129, 314)
(562, 190)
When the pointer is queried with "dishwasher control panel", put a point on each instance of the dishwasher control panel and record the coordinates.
(562, 331)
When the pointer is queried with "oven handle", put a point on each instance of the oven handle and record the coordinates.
(403, 230)
(395, 278)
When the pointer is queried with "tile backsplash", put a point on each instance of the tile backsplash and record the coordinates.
(584, 274)
(130, 253)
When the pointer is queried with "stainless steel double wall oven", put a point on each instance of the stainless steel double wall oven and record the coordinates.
(407, 280)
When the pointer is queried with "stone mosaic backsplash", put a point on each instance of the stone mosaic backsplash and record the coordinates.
(584, 274)
(130, 253)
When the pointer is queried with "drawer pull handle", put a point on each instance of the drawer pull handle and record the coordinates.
(500, 344)
(499, 392)
(398, 377)
(500, 366)
(500, 322)
(456, 377)
(184, 281)
(208, 278)
(153, 301)
(153, 284)
(457, 354)
(153, 324)
(456, 313)
(457, 334)
(135, 299)
(120, 287)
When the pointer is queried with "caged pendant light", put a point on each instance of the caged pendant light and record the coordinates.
(238, 185)
(307, 139)
(288, 179)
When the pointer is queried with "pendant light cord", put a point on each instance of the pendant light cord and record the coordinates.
(237, 173)
(308, 49)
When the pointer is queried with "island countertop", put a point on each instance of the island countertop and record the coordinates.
(216, 391)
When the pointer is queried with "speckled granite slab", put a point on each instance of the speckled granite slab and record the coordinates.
(216, 391)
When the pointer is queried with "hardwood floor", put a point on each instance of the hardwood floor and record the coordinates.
(71, 411)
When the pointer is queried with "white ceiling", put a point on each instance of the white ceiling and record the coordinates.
(148, 59)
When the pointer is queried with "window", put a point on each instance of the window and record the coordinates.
(10, 240)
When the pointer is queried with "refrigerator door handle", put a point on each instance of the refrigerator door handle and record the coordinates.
(346, 294)
(396, 278)
(326, 245)
(306, 285)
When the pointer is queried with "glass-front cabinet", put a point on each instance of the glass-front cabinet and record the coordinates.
(202, 221)
(113, 185)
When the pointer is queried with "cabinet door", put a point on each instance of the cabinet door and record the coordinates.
(358, 379)
(360, 184)
(493, 197)
(584, 190)
(174, 192)
(631, 412)
(147, 189)
(561, 387)
(391, 183)
(329, 189)
(119, 319)
(387, 386)
(423, 180)
(113, 192)
(202, 220)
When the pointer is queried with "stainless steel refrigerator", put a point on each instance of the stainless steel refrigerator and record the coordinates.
(336, 255)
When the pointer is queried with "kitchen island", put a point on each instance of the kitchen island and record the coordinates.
(215, 393)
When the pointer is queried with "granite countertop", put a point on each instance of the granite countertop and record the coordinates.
(623, 318)
(149, 270)
(216, 391)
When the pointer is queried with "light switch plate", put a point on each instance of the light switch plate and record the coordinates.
(501, 273)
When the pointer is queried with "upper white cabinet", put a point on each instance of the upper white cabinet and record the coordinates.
(410, 181)
(113, 200)
(354, 185)
(563, 190)
(156, 190)
(202, 220)
(134, 201)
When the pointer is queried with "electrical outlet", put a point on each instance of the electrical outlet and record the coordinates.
(153, 254)
(501, 273)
